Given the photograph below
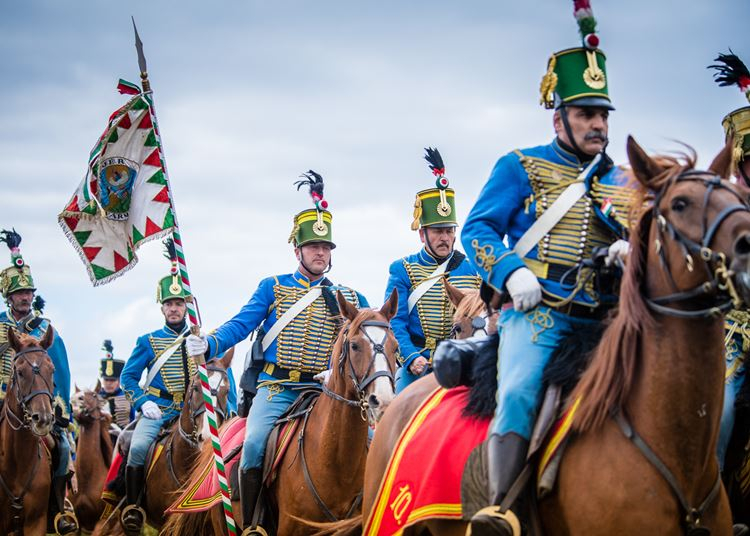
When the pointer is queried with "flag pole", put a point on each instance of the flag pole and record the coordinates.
(192, 313)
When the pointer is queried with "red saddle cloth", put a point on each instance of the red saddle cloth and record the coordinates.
(423, 478)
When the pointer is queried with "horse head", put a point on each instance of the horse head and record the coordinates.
(699, 227)
(364, 358)
(88, 406)
(193, 416)
(472, 317)
(29, 398)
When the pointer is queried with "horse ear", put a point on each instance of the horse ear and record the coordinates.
(347, 309)
(49, 337)
(98, 386)
(226, 361)
(77, 390)
(455, 295)
(722, 164)
(644, 167)
(12, 336)
(390, 307)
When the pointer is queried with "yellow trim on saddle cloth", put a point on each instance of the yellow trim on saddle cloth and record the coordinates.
(372, 527)
(157, 452)
(557, 438)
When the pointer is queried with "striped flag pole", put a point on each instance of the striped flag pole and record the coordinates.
(192, 313)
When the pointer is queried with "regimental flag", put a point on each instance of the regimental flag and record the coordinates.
(124, 199)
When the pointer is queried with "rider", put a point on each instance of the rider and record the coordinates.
(425, 312)
(732, 71)
(540, 266)
(120, 408)
(25, 315)
(160, 399)
(299, 320)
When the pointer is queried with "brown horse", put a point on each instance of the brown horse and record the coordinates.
(470, 309)
(93, 455)
(335, 436)
(26, 419)
(173, 467)
(655, 385)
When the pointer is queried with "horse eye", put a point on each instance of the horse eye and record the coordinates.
(458, 329)
(354, 346)
(679, 204)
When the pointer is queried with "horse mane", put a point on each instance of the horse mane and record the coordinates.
(470, 306)
(609, 379)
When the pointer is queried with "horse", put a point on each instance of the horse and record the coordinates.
(321, 477)
(471, 318)
(93, 455)
(26, 420)
(181, 448)
(642, 455)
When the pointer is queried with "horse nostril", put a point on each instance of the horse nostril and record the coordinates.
(35, 417)
(742, 246)
(373, 401)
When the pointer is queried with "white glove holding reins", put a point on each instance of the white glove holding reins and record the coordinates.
(618, 250)
(151, 410)
(524, 288)
(196, 345)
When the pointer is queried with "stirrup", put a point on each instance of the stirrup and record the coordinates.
(129, 508)
(494, 511)
(70, 516)
(254, 531)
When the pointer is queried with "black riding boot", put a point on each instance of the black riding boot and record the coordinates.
(133, 516)
(60, 521)
(251, 482)
(506, 456)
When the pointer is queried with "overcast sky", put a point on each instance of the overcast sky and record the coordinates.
(250, 94)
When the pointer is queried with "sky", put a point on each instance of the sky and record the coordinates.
(250, 94)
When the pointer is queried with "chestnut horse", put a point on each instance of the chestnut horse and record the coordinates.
(26, 419)
(336, 434)
(93, 455)
(173, 468)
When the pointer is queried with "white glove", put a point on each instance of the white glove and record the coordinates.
(151, 410)
(323, 377)
(196, 345)
(524, 288)
(618, 250)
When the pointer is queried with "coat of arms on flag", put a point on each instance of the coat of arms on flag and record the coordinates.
(124, 198)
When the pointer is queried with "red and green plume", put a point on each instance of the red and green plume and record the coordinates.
(13, 240)
(731, 71)
(435, 161)
(171, 253)
(315, 183)
(586, 23)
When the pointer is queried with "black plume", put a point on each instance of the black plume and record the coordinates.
(39, 304)
(731, 69)
(12, 238)
(108, 346)
(169, 249)
(435, 160)
(313, 180)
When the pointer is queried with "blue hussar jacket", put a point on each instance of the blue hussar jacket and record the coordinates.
(36, 326)
(306, 343)
(170, 383)
(431, 319)
(120, 408)
(522, 185)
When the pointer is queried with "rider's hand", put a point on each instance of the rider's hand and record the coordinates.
(196, 345)
(618, 250)
(151, 410)
(524, 288)
(323, 377)
(418, 365)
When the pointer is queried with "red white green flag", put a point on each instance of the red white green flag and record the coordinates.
(124, 199)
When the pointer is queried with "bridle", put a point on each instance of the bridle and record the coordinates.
(192, 438)
(719, 283)
(87, 413)
(23, 400)
(478, 323)
(378, 348)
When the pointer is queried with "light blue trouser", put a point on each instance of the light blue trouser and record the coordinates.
(260, 420)
(63, 447)
(731, 387)
(404, 378)
(527, 341)
(144, 434)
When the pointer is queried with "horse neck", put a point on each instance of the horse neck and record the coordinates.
(92, 449)
(16, 445)
(677, 401)
(184, 452)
